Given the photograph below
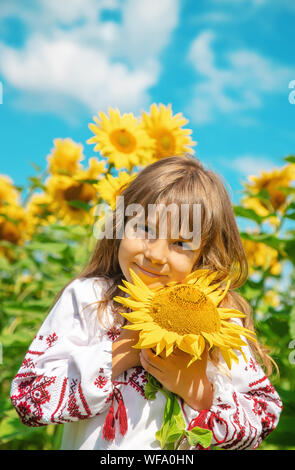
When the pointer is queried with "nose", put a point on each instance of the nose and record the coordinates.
(156, 250)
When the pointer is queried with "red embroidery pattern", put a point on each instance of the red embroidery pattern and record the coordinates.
(40, 400)
(51, 339)
(239, 429)
(76, 399)
(239, 419)
(61, 397)
(28, 362)
(32, 394)
(101, 381)
(113, 333)
(253, 364)
(137, 380)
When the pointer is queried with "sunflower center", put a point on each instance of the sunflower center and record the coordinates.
(166, 142)
(8, 231)
(82, 192)
(185, 310)
(123, 140)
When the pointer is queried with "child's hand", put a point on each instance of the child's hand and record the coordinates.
(190, 383)
(123, 355)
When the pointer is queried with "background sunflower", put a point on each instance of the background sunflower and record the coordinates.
(167, 131)
(121, 139)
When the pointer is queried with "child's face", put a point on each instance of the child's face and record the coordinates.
(156, 261)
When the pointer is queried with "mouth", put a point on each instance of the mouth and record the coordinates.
(149, 273)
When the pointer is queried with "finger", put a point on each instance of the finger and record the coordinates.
(157, 373)
(150, 355)
(150, 358)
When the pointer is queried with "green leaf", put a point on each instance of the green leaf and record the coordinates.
(290, 159)
(288, 399)
(35, 166)
(284, 433)
(287, 190)
(151, 387)
(292, 322)
(168, 434)
(263, 194)
(289, 248)
(266, 238)
(251, 291)
(37, 182)
(11, 427)
(290, 216)
(19, 338)
(199, 436)
(173, 426)
(49, 247)
(80, 205)
(88, 180)
(248, 214)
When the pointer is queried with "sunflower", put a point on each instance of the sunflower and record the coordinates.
(16, 228)
(121, 139)
(272, 298)
(184, 315)
(260, 208)
(94, 171)
(40, 206)
(110, 187)
(15, 224)
(65, 157)
(8, 193)
(272, 181)
(64, 190)
(167, 131)
(260, 255)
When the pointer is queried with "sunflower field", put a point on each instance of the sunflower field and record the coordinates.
(47, 237)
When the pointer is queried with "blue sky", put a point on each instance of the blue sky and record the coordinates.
(225, 64)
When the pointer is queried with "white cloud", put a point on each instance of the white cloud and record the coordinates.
(241, 86)
(249, 164)
(90, 61)
(146, 28)
(66, 69)
(45, 16)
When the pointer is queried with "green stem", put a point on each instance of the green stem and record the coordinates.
(165, 392)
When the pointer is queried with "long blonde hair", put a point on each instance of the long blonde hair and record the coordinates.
(183, 179)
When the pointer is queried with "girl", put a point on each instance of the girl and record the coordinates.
(81, 369)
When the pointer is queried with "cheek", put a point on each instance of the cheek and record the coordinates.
(184, 263)
(128, 249)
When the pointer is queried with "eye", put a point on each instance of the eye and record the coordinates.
(184, 245)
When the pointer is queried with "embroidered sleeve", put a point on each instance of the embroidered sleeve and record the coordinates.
(66, 373)
(245, 408)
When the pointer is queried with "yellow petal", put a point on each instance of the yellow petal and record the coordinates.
(140, 326)
(136, 292)
(227, 357)
(160, 346)
(208, 338)
(193, 359)
(137, 281)
(137, 317)
(169, 349)
(152, 339)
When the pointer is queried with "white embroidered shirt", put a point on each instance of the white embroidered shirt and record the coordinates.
(66, 378)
